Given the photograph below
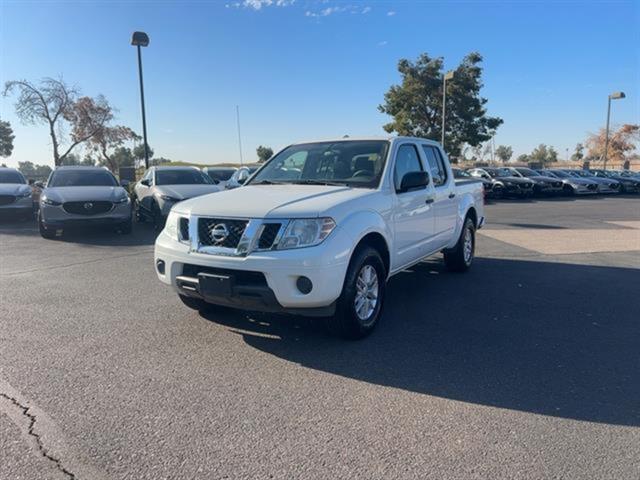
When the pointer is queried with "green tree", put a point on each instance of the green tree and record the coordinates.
(159, 161)
(71, 159)
(524, 158)
(543, 154)
(6, 139)
(416, 104)
(504, 153)
(30, 170)
(578, 153)
(138, 153)
(264, 153)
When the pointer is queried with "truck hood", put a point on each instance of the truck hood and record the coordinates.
(183, 192)
(14, 188)
(80, 194)
(272, 201)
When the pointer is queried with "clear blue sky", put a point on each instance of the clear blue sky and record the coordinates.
(319, 68)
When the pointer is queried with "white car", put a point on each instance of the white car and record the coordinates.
(319, 230)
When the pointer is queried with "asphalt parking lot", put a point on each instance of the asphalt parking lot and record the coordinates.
(526, 367)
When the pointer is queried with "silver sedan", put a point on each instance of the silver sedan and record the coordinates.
(15, 194)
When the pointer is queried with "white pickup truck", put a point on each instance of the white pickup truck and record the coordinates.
(320, 229)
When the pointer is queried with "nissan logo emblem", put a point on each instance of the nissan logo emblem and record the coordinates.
(88, 206)
(219, 232)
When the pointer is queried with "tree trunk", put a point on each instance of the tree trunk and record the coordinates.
(56, 155)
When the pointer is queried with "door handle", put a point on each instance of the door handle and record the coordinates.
(452, 195)
(428, 200)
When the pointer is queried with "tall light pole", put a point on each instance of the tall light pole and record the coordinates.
(447, 76)
(613, 96)
(141, 39)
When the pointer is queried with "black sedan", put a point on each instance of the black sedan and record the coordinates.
(504, 182)
(459, 174)
(543, 184)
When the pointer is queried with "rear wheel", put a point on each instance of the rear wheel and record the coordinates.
(359, 307)
(460, 257)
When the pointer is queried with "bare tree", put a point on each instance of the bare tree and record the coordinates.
(105, 142)
(55, 104)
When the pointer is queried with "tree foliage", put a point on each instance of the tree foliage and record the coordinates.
(543, 154)
(622, 143)
(56, 104)
(504, 153)
(138, 152)
(6, 139)
(264, 153)
(31, 170)
(416, 104)
(578, 153)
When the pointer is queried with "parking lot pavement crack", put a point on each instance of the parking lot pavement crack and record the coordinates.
(31, 418)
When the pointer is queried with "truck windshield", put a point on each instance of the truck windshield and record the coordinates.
(355, 163)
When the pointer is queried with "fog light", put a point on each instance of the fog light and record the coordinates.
(304, 285)
(160, 266)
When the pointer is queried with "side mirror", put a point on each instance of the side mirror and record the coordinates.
(243, 176)
(414, 181)
(145, 182)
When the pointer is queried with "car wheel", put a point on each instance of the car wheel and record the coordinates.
(158, 219)
(359, 307)
(138, 213)
(568, 190)
(460, 257)
(45, 232)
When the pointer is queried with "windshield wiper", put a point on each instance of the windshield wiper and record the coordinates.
(266, 182)
(320, 182)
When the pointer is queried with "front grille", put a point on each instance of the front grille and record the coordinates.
(184, 228)
(525, 185)
(241, 277)
(7, 199)
(269, 234)
(592, 186)
(557, 184)
(87, 207)
(615, 185)
(220, 232)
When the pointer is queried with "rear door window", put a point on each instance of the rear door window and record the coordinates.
(436, 165)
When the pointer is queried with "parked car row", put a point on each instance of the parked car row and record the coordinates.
(525, 182)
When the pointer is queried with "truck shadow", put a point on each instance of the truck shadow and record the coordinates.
(546, 338)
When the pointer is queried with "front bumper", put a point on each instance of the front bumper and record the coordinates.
(54, 216)
(325, 265)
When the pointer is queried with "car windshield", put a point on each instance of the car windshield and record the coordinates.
(527, 172)
(500, 172)
(221, 175)
(354, 163)
(559, 174)
(187, 176)
(82, 178)
(583, 173)
(457, 173)
(11, 176)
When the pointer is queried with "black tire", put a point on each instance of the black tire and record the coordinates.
(347, 322)
(460, 258)
(158, 219)
(138, 213)
(47, 233)
(568, 190)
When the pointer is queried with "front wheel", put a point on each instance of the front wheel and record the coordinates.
(45, 232)
(359, 307)
(460, 257)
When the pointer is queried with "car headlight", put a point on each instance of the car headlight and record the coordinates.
(171, 225)
(169, 198)
(306, 232)
(48, 201)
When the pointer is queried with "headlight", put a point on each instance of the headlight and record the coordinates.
(306, 232)
(169, 198)
(124, 199)
(48, 201)
(171, 226)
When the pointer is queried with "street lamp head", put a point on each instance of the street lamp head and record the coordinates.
(140, 39)
(449, 75)
(617, 95)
